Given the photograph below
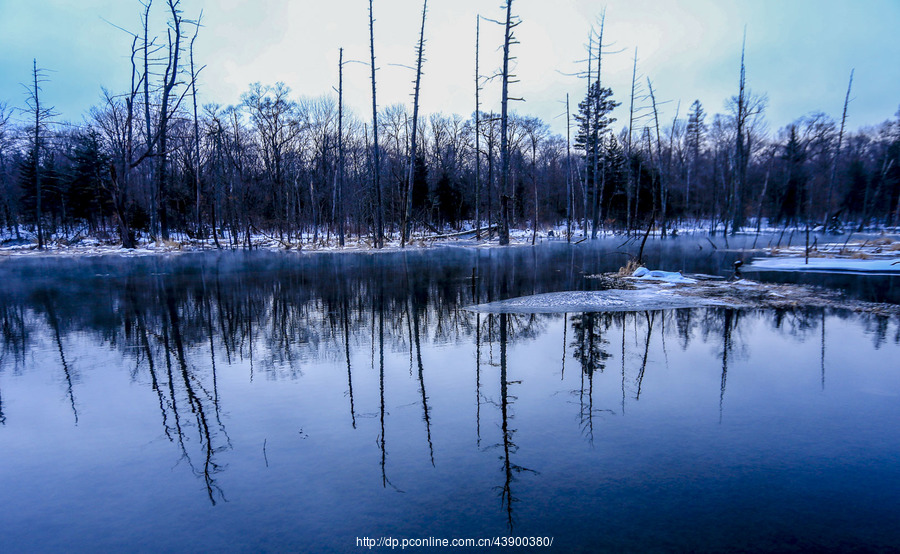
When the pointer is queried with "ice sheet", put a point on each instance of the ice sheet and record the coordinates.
(614, 300)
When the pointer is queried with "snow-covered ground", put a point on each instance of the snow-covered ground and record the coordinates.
(89, 246)
(831, 265)
(463, 236)
(880, 255)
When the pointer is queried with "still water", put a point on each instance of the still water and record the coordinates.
(286, 402)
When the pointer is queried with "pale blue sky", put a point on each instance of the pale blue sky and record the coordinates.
(799, 52)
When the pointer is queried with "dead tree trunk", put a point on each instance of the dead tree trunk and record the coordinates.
(659, 169)
(569, 199)
(504, 138)
(740, 163)
(376, 166)
(339, 176)
(477, 137)
(197, 180)
(631, 184)
(170, 79)
(597, 186)
(837, 155)
(589, 125)
(154, 193)
(415, 125)
(36, 155)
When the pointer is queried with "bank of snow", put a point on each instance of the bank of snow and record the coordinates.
(883, 266)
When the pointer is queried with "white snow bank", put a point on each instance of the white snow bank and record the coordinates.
(614, 300)
(830, 265)
(657, 275)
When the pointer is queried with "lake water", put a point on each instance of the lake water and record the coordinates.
(241, 401)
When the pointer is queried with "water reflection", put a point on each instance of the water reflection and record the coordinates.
(178, 326)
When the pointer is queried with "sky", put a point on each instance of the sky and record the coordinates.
(798, 52)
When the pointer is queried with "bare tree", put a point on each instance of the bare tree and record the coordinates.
(478, 136)
(10, 213)
(837, 154)
(197, 180)
(511, 23)
(420, 50)
(631, 184)
(41, 116)
(272, 113)
(746, 107)
(376, 165)
(168, 105)
(338, 203)
(569, 198)
(596, 137)
(535, 130)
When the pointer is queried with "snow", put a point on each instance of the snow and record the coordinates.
(658, 275)
(882, 266)
(614, 300)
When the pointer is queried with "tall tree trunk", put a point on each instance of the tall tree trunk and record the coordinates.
(837, 155)
(170, 79)
(588, 133)
(740, 165)
(659, 168)
(197, 180)
(376, 165)
(504, 138)
(597, 185)
(569, 198)
(154, 193)
(477, 137)
(415, 125)
(39, 216)
(631, 177)
(339, 196)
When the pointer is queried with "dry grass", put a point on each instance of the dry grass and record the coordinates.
(859, 255)
(629, 268)
(169, 244)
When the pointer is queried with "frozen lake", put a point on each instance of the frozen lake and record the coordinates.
(267, 402)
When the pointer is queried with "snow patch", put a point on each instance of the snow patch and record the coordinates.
(658, 275)
(889, 266)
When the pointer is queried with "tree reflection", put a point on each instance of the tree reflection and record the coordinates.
(53, 321)
(589, 349)
(510, 469)
(178, 324)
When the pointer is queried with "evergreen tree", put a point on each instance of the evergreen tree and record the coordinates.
(794, 195)
(696, 129)
(594, 123)
(86, 198)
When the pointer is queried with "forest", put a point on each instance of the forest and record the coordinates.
(150, 164)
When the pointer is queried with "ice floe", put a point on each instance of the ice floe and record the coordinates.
(613, 300)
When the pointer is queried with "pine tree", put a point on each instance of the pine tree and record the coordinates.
(594, 124)
(696, 135)
(793, 200)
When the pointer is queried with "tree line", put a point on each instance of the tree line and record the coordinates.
(151, 163)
